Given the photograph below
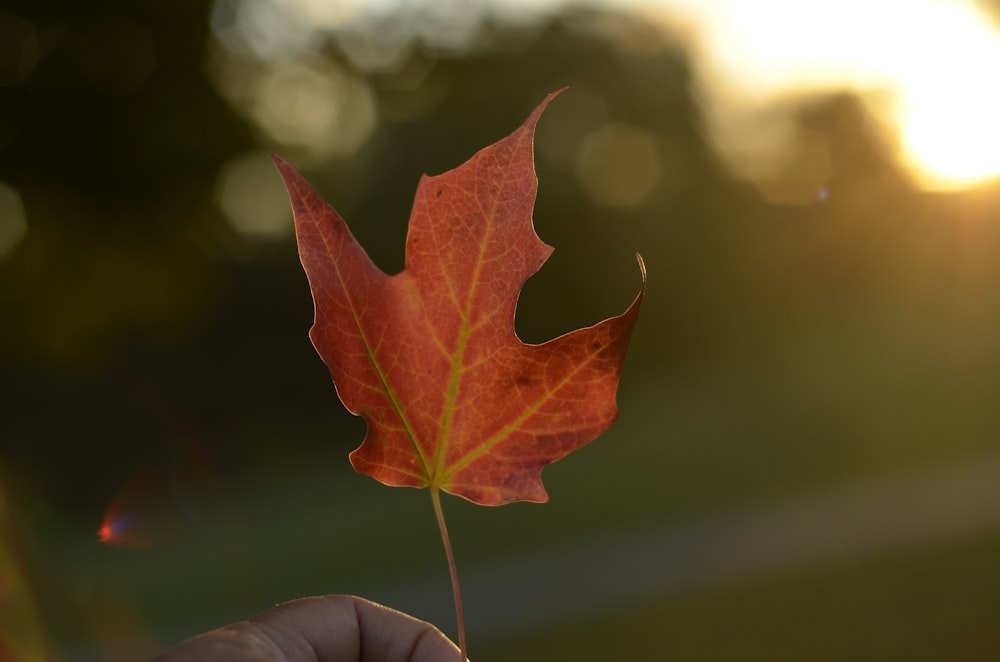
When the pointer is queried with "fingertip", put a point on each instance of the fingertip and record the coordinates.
(347, 627)
(322, 629)
(389, 634)
(433, 646)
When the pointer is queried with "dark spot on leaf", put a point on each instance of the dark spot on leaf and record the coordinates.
(523, 380)
(595, 346)
(438, 194)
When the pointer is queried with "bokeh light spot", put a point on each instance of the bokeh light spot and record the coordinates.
(314, 107)
(619, 165)
(251, 196)
(584, 111)
(309, 109)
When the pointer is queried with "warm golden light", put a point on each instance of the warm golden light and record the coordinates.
(955, 143)
(926, 70)
(936, 61)
(950, 113)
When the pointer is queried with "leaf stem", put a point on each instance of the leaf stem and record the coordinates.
(453, 569)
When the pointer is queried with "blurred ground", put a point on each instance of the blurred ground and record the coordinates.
(808, 437)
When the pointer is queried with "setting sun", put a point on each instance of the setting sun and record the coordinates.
(954, 143)
(950, 115)
(922, 68)
(928, 64)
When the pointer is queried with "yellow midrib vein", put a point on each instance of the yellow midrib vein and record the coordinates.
(383, 378)
(441, 476)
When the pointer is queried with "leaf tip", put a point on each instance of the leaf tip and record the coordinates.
(284, 167)
(281, 164)
(545, 102)
(642, 267)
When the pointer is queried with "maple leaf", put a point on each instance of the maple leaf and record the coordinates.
(429, 357)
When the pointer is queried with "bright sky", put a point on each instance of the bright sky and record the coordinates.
(938, 60)
(932, 65)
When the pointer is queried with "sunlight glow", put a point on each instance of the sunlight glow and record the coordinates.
(923, 68)
(618, 165)
(933, 60)
(950, 116)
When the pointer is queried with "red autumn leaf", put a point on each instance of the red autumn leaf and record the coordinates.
(429, 357)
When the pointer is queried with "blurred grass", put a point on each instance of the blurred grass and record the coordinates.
(770, 418)
(758, 431)
(936, 602)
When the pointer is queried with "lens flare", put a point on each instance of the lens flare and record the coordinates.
(139, 516)
(156, 505)
(115, 531)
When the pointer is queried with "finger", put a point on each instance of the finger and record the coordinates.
(387, 634)
(323, 629)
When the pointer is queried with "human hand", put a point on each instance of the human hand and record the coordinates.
(333, 628)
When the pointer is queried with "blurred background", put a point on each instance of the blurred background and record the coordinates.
(807, 462)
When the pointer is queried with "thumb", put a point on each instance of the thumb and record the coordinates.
(322, 629)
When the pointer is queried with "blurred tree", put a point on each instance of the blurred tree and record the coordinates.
(137, 325)
(133, 317)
